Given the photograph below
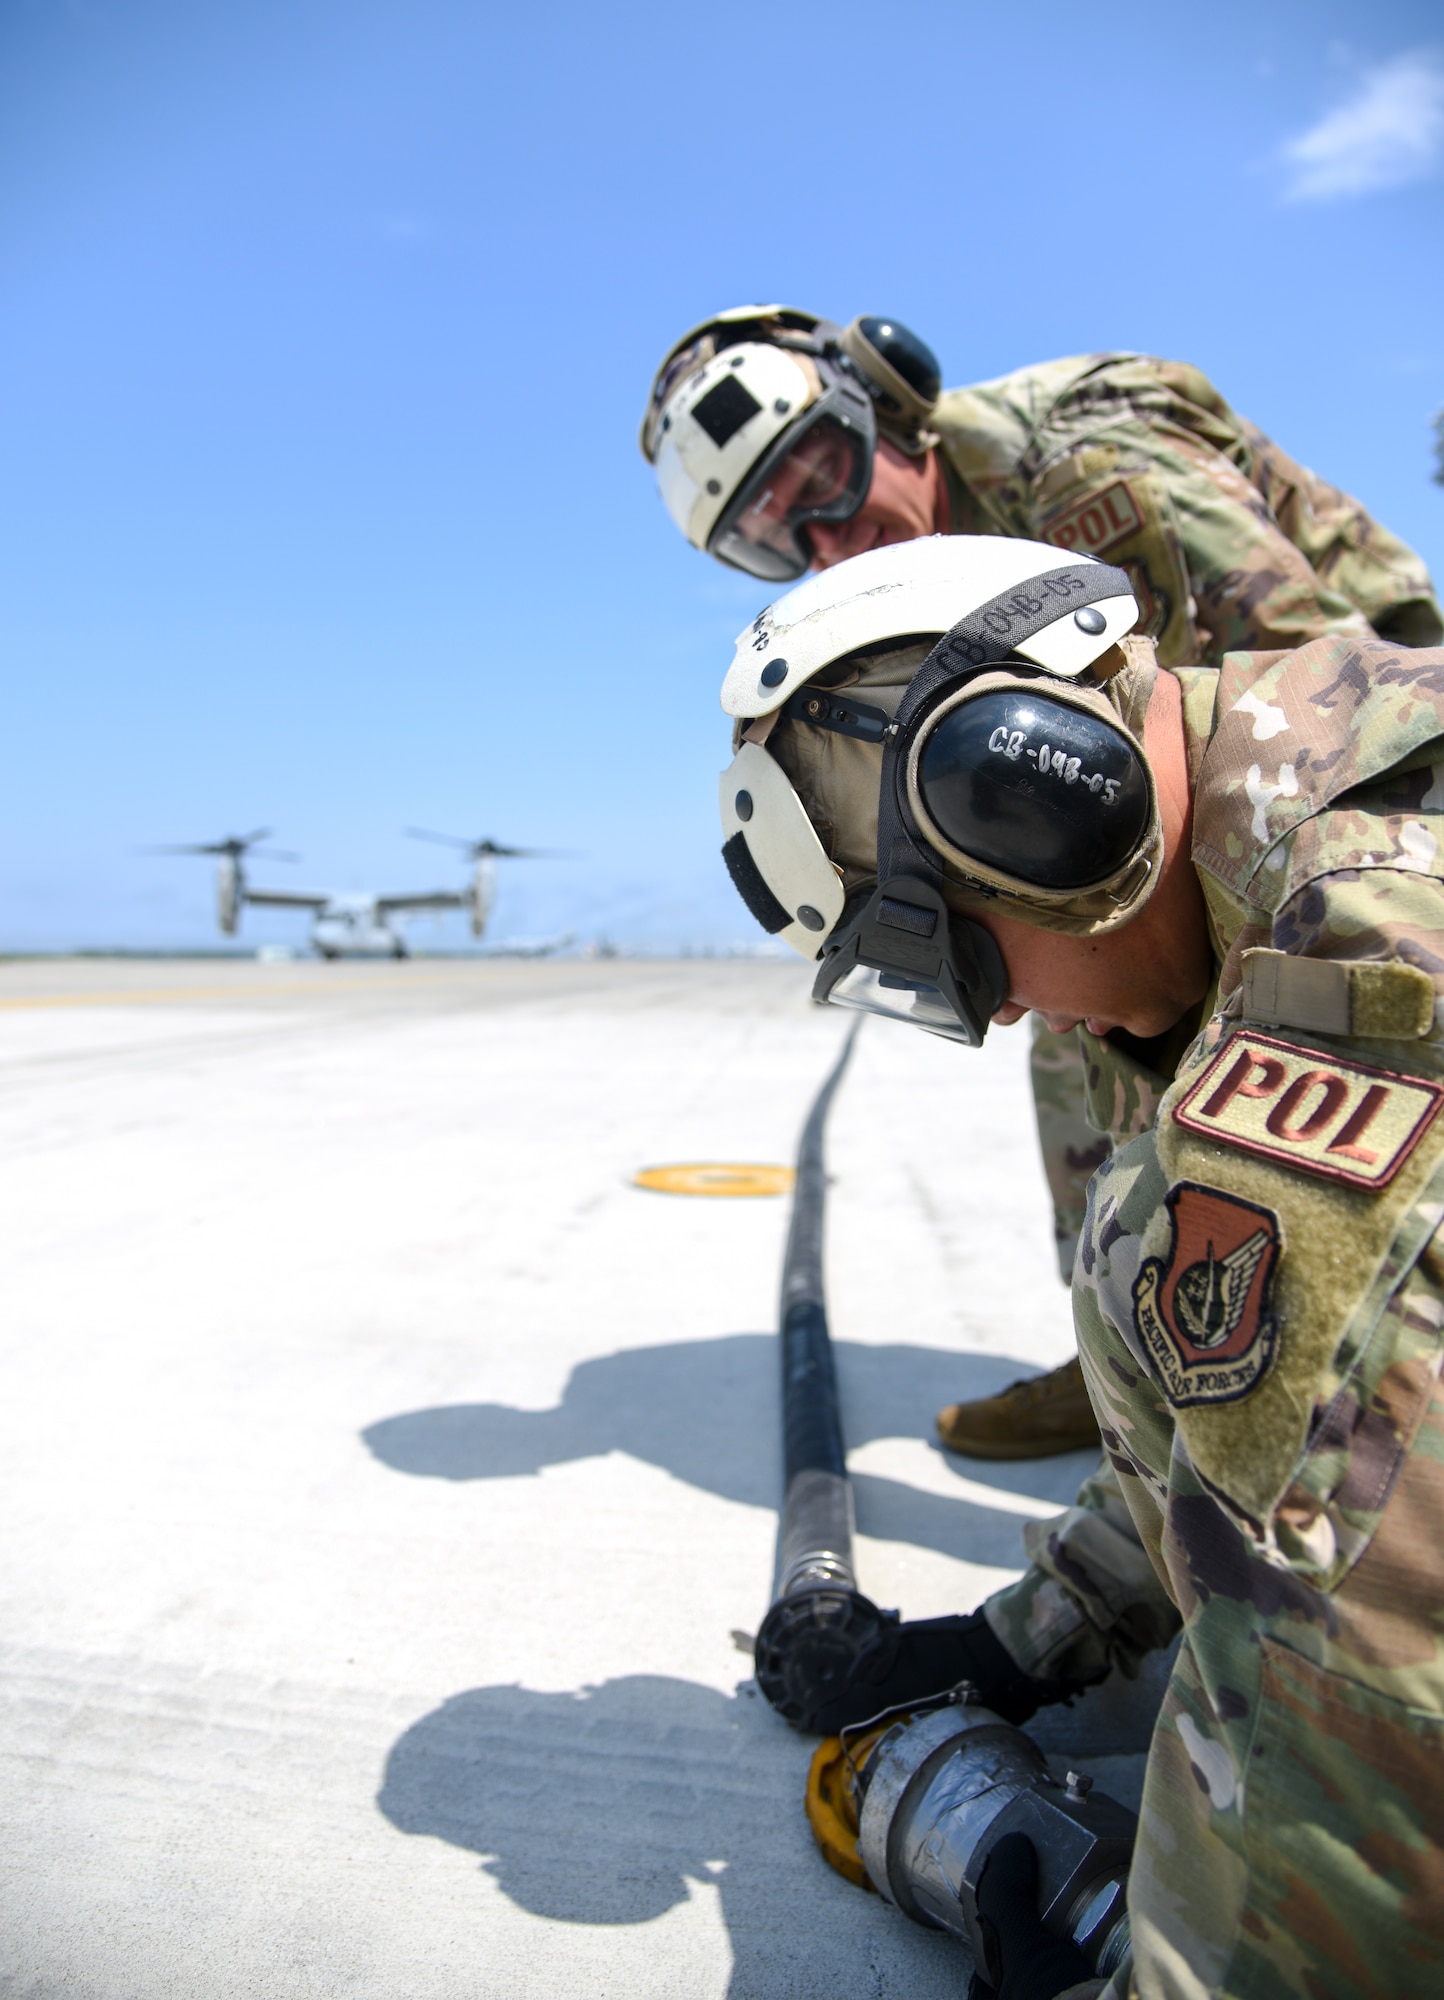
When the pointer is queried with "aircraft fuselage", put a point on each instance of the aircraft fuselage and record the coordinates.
(356, 933)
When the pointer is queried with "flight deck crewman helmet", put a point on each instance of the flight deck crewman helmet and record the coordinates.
(765, 418)
(967, 696)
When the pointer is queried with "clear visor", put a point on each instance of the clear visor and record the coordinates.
(899, 999)
(821, 474)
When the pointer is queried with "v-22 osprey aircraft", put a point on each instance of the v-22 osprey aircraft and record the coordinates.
(357, 923)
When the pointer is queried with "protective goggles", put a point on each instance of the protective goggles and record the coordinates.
(907, 956)
(1029, 787)
(819, 469)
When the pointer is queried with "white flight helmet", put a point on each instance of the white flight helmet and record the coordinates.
(765, 418)
(1003, 775)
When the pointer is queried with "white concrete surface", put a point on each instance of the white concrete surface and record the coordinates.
(383, 1475)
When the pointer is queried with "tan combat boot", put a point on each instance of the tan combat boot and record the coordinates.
(1033, 1419)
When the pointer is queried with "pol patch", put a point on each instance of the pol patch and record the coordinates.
(1344, 1121)
(1202, 1312)
(1097, 521)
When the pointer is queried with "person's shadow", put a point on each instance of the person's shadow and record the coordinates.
(605, 1808)
(707, 1411)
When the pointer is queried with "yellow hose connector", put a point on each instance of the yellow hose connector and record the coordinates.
(832, 1801)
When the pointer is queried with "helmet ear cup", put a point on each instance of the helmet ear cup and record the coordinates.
(904, 376)
(1043, 793)
(906, 354)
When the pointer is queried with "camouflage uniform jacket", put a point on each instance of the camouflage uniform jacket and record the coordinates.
(1229, 543)
(1259, 1300)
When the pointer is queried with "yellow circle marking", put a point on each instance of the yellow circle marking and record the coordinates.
(715, 1177)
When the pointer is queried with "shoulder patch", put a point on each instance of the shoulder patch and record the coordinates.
(1096, 521)
(1343, 1121)
(1202, 1311)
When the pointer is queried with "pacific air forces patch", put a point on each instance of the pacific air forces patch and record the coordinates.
(1202, 1311)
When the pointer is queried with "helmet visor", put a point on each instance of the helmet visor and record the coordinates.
(820, 471)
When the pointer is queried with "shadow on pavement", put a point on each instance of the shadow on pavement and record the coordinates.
(607, 1805)
(706, 1411)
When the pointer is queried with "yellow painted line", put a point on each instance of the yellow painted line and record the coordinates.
(715, 1177)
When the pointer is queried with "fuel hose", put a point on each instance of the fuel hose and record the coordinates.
(933, 1791)
(819, 1625)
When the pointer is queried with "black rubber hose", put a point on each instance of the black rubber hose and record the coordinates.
(820, 1627)
(815, 1542)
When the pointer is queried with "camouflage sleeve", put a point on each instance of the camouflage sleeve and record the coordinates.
(1363, 880)
(1116, 498)
(1213, 571)
(1366, 916)
(1263, 1348)
(1230, 544)
(1093, 1596)
(1254, 587)
(1349, 551)
(1072, 1150)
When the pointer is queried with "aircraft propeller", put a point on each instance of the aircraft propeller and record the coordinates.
(235, 845)
(476, 848)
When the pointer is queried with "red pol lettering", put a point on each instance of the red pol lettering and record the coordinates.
(1338, 1119)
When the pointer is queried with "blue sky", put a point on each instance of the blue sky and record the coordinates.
(329, 324)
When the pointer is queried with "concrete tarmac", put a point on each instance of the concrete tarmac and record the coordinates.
(385, 1477)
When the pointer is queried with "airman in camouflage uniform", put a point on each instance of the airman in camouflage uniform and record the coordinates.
(1283, 1460)
(1259, 1300)
(1229, 545)
(1228, 542)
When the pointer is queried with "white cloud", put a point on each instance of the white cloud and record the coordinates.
(1390, 132)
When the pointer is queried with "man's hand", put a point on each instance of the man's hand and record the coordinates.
(1024, 1959)
(926, 1656)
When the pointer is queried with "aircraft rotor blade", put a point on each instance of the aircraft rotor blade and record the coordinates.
(520, 853)
(476, 848)
(442, 839)
(234, 844)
